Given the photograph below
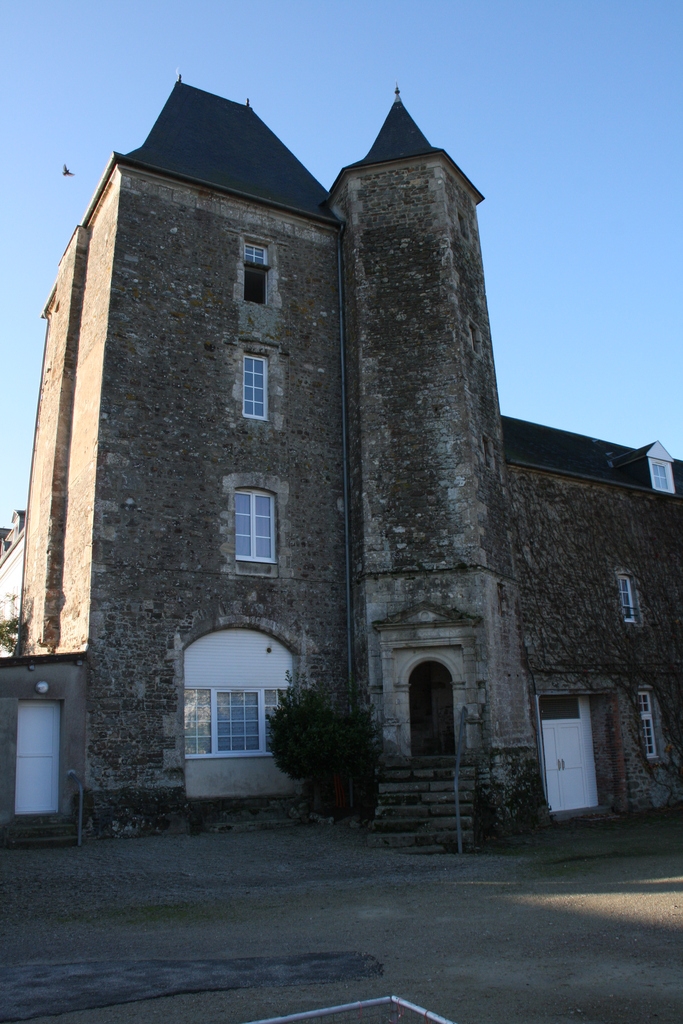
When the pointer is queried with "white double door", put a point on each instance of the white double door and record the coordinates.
(569, 761)
(37, 787)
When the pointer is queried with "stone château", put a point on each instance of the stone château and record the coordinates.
(268, 444)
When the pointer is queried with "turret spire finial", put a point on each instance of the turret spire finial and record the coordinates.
(397, 93)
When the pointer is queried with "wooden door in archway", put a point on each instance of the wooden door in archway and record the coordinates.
(432, 728)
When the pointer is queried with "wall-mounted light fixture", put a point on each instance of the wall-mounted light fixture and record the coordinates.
(42, 686)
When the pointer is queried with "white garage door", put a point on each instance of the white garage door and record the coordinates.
(568, 750)
(37, 790)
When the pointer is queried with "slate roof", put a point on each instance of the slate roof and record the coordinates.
(559, 451)
(212, 140)
(398, 137)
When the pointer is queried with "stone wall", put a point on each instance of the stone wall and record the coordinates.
(43, 577)
(172, 447)
(428, 494)
(572, 539)
(83, 459)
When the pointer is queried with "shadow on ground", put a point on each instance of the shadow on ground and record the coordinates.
(580, 921)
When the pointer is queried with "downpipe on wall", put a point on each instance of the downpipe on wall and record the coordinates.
(345, 477)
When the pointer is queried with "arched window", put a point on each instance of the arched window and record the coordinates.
(233, 679)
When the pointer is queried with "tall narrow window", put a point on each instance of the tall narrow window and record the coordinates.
(475, 338)
(647, 722)
(198, 722)
(254, 527)
(628, 606)
(255, 390)
(237, 717)
(255, 273)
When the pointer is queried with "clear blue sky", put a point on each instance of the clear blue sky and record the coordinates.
(566, 115)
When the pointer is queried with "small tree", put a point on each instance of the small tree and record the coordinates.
(312, 739)
(9, 632)
(9, 627)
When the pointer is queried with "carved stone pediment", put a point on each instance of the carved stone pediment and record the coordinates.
(426, 614)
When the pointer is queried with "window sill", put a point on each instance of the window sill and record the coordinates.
(228, 754)
(244, 568)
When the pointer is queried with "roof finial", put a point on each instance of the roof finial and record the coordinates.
(248, 103)
(180, 77)
(397, 93)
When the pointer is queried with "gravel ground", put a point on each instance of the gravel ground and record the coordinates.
(579, 922)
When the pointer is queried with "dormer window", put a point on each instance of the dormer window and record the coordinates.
(255, 273)
(650, 466)
(662, 477)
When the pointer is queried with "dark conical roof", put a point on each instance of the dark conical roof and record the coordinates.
(206, 138)
(399, 137)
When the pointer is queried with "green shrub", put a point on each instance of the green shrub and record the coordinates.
(311, 739)
(9, 629)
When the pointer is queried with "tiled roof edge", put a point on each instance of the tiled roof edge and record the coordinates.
(329, 218)
(593, 479)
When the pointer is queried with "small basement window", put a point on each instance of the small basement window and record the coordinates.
(255, 273)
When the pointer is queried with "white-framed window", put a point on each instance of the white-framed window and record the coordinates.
(256, 254)
(233, 681)
(255, 273)
(254, 526)
(661, 476)
(627, 598)
(647, 722)
(255, 388)
(222, 722)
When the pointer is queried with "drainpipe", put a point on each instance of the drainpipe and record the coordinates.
(345, 462)
(539, 724)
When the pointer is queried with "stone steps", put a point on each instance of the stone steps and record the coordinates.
(248, 815)
(44, 831)
(416, 806)
(259, 825)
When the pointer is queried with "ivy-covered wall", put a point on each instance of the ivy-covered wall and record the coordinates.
(572, 540)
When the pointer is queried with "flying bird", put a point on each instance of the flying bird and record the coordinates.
(66, 172)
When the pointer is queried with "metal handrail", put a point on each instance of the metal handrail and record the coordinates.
(456, 777)
(364, 1004)
(71, 774)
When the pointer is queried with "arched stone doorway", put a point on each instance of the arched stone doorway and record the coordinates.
(432, 728)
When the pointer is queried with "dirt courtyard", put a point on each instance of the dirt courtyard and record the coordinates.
(580, 922)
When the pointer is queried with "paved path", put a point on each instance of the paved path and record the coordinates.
(582, 923)
(35, 989)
